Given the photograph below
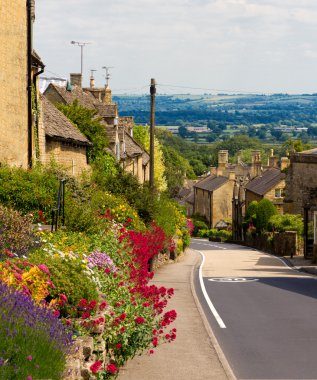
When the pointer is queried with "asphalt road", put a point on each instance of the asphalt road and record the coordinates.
(263, 314)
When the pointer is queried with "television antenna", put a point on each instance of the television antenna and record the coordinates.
(108, 76)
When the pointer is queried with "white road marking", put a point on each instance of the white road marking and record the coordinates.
(232, 279)
(199, 241)
(209, 303)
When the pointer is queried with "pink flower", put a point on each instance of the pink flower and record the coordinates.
(56, 313)
(29, 378)
(63, 297)
(44, 269)
(29, 357)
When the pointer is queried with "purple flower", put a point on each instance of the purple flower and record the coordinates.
(100, 260)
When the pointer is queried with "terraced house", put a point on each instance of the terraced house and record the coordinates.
(16, 78)
(131, 156)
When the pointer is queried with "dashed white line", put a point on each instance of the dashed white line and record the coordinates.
(209, 303)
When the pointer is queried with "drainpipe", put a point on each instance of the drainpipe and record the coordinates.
(29, 79)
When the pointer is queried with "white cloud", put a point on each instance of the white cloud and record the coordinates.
(246, 44)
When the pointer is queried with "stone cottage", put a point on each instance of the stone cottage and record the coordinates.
(269, 185)
(213, 198)
(60, 140)
(132, 157)
(301, 195)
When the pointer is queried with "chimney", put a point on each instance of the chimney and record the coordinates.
(284, 163)
(256, 166)
(223, 157)
(76, 79)
(219, 171)
(108, 95)
(232, 176)
(213, 170)
(273, 161)
(239, 160)
(256, 156)
(92, 81)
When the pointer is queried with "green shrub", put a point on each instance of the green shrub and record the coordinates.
(16, 233)
(264, 211)
(286, 222)
(69, 275)
(28, 191)
(203, 233)
(198, 226)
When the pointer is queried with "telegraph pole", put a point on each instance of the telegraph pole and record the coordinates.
(152, 93)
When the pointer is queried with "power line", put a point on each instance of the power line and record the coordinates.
(211, 89)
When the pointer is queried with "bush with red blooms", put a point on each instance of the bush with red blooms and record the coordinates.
(132, 317)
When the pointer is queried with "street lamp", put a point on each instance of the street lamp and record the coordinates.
(81, 44)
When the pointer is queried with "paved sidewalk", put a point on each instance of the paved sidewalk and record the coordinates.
(194, 355)
(301, 264)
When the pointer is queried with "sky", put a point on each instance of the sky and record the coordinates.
(187, 46)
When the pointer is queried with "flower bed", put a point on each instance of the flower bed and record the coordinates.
(98, 286)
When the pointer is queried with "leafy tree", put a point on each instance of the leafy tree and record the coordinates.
(89, 125)
(264, 211)
(295, 145)
(142, 135)
(238, 142)
(177, 169)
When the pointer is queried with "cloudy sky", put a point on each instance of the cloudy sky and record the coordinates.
(261, 46)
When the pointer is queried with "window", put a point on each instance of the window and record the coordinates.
(278, 193)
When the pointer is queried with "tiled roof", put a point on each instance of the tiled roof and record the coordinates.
(58, 127)
(211, 182)
(262, 184)
(85, 99)
(126, 121)
(106, 110)
(132, 148)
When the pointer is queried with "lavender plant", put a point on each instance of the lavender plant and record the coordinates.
(33, 342)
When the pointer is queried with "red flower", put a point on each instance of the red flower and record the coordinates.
(85, 315)
(112, 368)
(102, 306)
(92, 304)
(122, 316)
(95, 366)
(82, 303)
(118, 346)
(139, 320)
